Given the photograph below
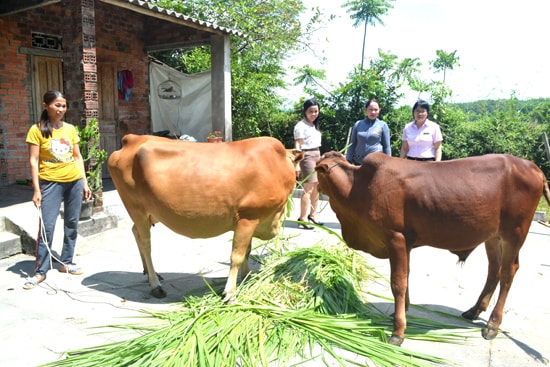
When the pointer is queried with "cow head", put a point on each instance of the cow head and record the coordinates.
(324, 166)
(328, 161)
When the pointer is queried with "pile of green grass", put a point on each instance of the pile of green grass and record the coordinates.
(303, 304)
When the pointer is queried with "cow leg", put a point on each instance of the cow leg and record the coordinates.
(399, 279)
(510, 265)
(242, 241)
(493, 249)
(142, 235)
(245, 267)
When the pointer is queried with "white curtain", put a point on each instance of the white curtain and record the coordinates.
(180, 103)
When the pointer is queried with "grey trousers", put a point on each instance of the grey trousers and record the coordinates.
(53, 193)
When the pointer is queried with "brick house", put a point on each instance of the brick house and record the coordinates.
(79, 47)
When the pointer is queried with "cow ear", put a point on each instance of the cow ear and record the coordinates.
(321, 167)
(298, 155)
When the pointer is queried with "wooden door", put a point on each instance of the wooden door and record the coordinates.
(47, 75)
(108, 109)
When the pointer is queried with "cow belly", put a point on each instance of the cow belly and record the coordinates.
(195, 225)
(269, 227)
(459, 238)
(198, 227)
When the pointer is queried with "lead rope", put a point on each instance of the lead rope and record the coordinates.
(45, 239)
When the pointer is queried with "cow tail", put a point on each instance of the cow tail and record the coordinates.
(545, 189)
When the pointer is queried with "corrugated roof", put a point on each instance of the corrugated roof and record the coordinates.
(170, 13)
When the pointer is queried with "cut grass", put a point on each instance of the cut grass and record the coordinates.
(303, 304)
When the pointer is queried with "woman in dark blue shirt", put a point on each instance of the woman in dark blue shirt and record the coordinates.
(369, 135)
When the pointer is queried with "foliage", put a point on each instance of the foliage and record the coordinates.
(541, 112)
(506, 130)
(256, 58)
(383, 80)
(473, 128)
(93, 155)
(281, 124)
(304, 304)
(544, 207)
(535, 110)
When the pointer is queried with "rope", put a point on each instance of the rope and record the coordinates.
(45, 239)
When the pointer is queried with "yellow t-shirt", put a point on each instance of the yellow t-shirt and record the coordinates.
(56, 161)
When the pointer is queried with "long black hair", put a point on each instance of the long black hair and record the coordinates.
(312, 102)
(45, 125)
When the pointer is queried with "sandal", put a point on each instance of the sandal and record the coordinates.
(31, 283)
(312, 220)
(303, 225)
(71, 269)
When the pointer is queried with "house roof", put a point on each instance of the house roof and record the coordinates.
(150, 9)
(147, 8)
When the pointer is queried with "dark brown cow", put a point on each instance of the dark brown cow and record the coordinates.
(202, 190)
(388, 206)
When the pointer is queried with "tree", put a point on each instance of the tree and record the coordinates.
(445, 61)
(272, 29)
(309, 77)
(383, 80)
(541, 113)
(367, 12)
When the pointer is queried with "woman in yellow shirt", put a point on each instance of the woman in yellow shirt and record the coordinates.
(57, 172)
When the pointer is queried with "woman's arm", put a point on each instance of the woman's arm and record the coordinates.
(404, 148)
(80, 163)
(298, 144)
(34, 156)
(353, 141)
(386, 140)
(438, 151)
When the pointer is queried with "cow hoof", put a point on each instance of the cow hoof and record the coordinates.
(230, 300)
(469, 315)
(158, 292)
(396, 340)
(489, 333)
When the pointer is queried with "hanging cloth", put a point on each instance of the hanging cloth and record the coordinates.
(125, 82)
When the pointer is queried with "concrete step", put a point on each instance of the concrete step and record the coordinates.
(10, 244)
(10, 229)
(539, 216)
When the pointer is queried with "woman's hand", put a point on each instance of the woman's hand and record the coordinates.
(87, 191)
(37, 198)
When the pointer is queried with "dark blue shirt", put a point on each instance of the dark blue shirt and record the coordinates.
(367, 137)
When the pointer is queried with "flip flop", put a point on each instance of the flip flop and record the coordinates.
(31, 283)
(71, 269)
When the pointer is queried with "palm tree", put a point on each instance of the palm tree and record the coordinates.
(445, 61)
(367, 12)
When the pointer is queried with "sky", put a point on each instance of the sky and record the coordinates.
(502, 45)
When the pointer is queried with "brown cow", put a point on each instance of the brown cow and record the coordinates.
(202, 190)
(388, 206)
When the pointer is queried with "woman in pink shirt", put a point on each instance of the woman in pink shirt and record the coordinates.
(421, 140)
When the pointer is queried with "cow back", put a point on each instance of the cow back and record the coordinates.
(202, 189)
(454, 204)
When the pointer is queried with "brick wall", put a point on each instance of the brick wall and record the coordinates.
(119, 37)
(15, 95)
(119, 40)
